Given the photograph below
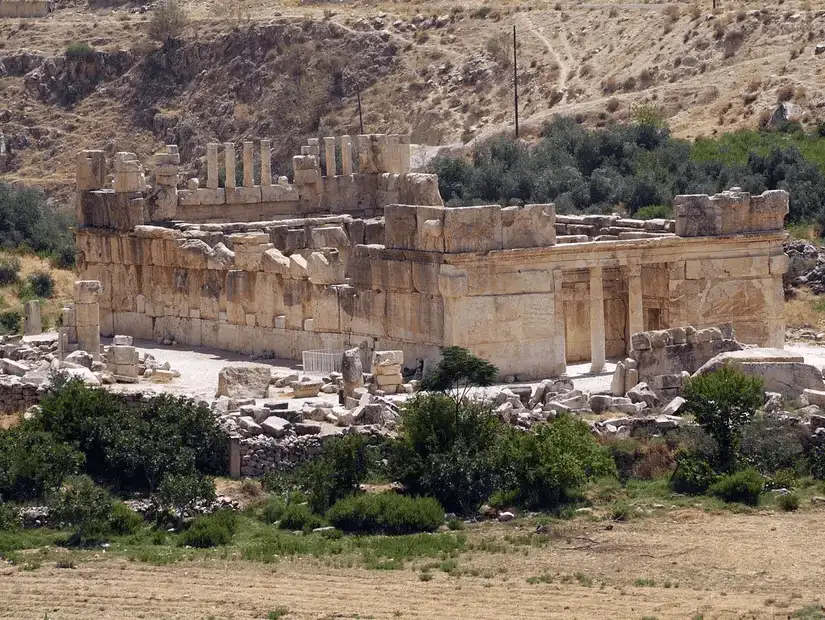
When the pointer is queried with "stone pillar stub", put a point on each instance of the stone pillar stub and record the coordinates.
(234, 457)
(597, 336)
(87, 315)
(33, 324)
(329, 157)
(248, 165)
(559, 338)
(635, 309)
(229, 164)
(366, 159)
(346, 155)
(266, 163)
(404, 154)
(212, 165)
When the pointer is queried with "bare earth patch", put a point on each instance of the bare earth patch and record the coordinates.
(684, 564)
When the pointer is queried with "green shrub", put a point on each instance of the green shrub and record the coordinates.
(299, 517)
(448, 451)
(771, 445)
(134, 447)
(9, 517)
(386, 513)
(551, 464)
(11, 322)
(652, 212)
(124, 519)
(457, 371)
(815, 460)
(9, 270)
(33, 463)
(27, 219)
(272, 510)
(212, 530)
(743, 486)
(180, 493)
(84, 506)
(41, 284)
(789, 502)
(79, 50)
(722, 402)
(341, 468)
(783, 479)
(693, 475)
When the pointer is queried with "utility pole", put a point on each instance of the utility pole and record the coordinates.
(515, 78)
(360, 114)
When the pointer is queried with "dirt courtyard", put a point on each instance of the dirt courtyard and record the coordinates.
(681, 563)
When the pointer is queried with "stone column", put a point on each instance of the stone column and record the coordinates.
(635, 312)
(393, 154)
(560, 338)
(87, 316)
(404, 154)
(596, 319)
(329, 156)
(248, 165)
(346, 155)
(212, 165)
(33, 324)
(266, 164)
(235, 457)
(366, 159)
(229, 157)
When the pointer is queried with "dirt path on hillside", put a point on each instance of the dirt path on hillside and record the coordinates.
(678, 565)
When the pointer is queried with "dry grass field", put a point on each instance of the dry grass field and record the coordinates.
(680, 563)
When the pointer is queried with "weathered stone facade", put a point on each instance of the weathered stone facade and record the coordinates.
(312, 264)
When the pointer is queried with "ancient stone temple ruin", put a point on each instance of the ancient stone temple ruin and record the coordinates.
(356, 250)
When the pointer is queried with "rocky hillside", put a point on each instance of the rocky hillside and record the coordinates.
(439, 70)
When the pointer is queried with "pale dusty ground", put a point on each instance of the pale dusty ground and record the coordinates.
(199, 368)
(723, 566)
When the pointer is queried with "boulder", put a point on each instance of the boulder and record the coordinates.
(306, 387)
(352, 371)
(782, 371)
(641, 393)
(250, 381)
(307, 428)
(600, 403)
(275, 426)
(84, 374)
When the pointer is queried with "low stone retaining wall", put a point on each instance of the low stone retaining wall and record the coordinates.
(25, 8)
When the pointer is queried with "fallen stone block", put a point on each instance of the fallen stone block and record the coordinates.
(10, 367)
(275, 426)
(673, 406)
(307, 428)
(306, 388)
(244, 381)
(641, 393)
(814, 397)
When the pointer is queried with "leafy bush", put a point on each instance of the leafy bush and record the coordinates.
(33, 463)
(815, 460)
(722, 402)
(771, 445)
(549, 465)
(339, 471)
(9, 517)
(448, 451)
(9, 270)
(652, 212)
(789, 502)
(386, 513)
(743, 486)
(272, 510)
(79, 50)
(83, 505)
(124, 520)
(457, 371)
(168, 21)
(299, 517)
(27, 219)
(10, 322)
(211, 530)
(134, 447)
(783, 479)
(41, 284)
(180, 493)
(692, 475)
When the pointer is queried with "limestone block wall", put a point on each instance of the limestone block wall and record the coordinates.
(25, 8)
(577, 228)
(317, 188)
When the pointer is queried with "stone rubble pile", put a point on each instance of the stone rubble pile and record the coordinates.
(806, 266)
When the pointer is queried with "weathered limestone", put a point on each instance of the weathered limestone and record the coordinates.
(352, 371)
(780, 370)
(87, 316)
(25, 8)
(229, 164)
(280, 269)
(386, 370)
(251, 381)
(597, 355)
(33, 323)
